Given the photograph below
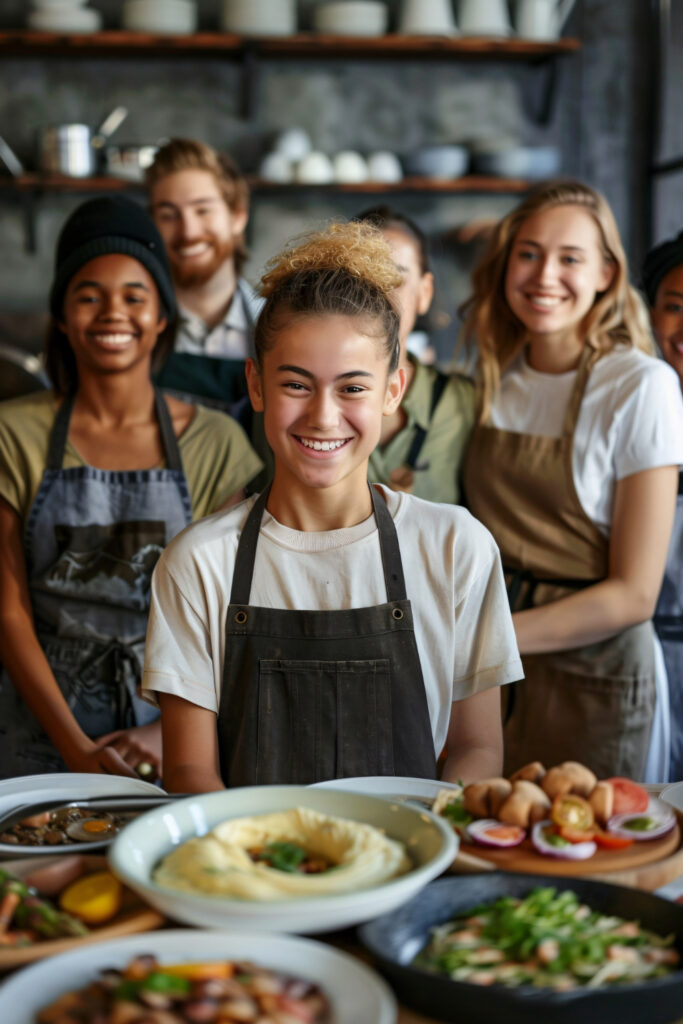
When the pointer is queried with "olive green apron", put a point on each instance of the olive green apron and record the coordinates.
(592, 704)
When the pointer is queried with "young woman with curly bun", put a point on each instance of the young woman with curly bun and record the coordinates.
(328, 628)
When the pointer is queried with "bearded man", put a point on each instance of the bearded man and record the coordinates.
(199, 200)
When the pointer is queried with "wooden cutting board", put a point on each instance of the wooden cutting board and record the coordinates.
(644, 865)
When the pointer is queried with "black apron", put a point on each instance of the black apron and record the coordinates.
(315, 695)
(668, 620)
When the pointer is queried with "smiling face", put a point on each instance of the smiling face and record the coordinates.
(323, 388)
(667, 318)
(111, 314)
(199, 229)
(555, 270)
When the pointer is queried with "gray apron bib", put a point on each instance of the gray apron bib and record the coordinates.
(92, 540)
(668, 622)
(315, 695)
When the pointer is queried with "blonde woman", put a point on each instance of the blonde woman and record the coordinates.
(573, 468)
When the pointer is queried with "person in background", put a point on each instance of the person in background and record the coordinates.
(423, 442)
(329, 628)
(662, 279)
(96, 476)
(199, 200)
(573, 467)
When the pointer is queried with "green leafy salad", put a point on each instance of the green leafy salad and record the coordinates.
(548, 940)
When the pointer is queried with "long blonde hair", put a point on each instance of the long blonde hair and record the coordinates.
(617, 315)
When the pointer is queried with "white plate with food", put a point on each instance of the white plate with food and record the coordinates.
(281, 858)
(393, 787)
(353, 991)
(65, 788)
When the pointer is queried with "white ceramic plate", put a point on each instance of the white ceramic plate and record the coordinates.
(357, 994)
(673, 795)
(64, 787)
(395, 787)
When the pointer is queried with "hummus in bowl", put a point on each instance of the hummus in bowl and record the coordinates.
(287, 854)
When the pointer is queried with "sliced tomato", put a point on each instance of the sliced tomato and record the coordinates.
(629, 797)
(576, 835)
(572, 811)
(608, 841)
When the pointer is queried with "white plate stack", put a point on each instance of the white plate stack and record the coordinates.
(72, 16)
(162, 17)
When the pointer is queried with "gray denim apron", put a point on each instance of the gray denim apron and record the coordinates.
(668, 622)
(92, 539)
(315, 695)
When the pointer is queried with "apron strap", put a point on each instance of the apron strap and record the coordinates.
(420, 435)
(169, 441)
(246, 551)
(60, 433)
(576, 397)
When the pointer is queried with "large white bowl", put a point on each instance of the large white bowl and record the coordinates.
(357, 995)
(136, 851)
(63, 787)
(352, 18)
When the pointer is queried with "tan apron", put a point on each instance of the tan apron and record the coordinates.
(592, 704)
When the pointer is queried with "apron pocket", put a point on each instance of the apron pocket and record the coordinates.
(322, 720)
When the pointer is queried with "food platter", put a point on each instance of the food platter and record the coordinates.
(133, 917)
(356, 993)
(645, 865)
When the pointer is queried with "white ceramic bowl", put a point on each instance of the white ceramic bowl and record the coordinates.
(349, 167)
(63, 788)
(532, 162)
(259, 17)
(63, 19)
(352, 18)
(384, 166)
(276, 167)
(315, 169)
(137, 850)
(357, 994)
(438, 162)
(167, 17)
(294, 143)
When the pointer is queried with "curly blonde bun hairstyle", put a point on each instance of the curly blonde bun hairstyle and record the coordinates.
(345, 270)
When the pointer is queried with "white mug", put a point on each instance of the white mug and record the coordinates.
(427, 17)
(483, 18)
(541, 19)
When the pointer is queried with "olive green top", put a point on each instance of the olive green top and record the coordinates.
(436, 476)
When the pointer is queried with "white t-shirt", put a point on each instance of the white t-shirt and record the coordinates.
(463, 628)
(631, 419)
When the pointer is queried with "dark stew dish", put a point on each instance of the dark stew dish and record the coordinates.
(66, 826)
(211, 993)
(548, 940)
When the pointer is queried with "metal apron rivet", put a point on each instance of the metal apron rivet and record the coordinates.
(240, 618)
(397, 613)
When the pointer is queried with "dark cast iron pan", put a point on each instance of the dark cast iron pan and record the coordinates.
(395, 939)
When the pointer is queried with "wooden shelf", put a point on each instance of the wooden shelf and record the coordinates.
(21, 43)
(29, 183)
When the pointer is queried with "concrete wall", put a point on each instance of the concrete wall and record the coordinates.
(598, 122)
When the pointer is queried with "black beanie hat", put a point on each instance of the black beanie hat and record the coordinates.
(658, 262)
(107, 225)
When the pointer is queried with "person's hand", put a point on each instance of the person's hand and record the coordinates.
(139, 747)
(98, 760)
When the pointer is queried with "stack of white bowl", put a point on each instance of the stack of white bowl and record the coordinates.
(63, 16)
(293, 159)
(162, 17)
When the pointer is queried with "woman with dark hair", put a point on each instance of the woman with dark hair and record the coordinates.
(423, 442)
(96, 477)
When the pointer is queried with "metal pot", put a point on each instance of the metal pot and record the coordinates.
(74, 149)
(129, 161)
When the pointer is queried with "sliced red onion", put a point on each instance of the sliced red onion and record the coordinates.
(573, 851)
(662, 816)
(480, 832)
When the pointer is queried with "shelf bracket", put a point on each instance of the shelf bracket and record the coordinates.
(28, 207)
(250, 85)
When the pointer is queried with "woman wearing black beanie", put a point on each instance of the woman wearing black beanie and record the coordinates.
(663, 286)
(96, 477)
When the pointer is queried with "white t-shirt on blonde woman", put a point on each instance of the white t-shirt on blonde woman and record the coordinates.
(464, 633)
(631, 419)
